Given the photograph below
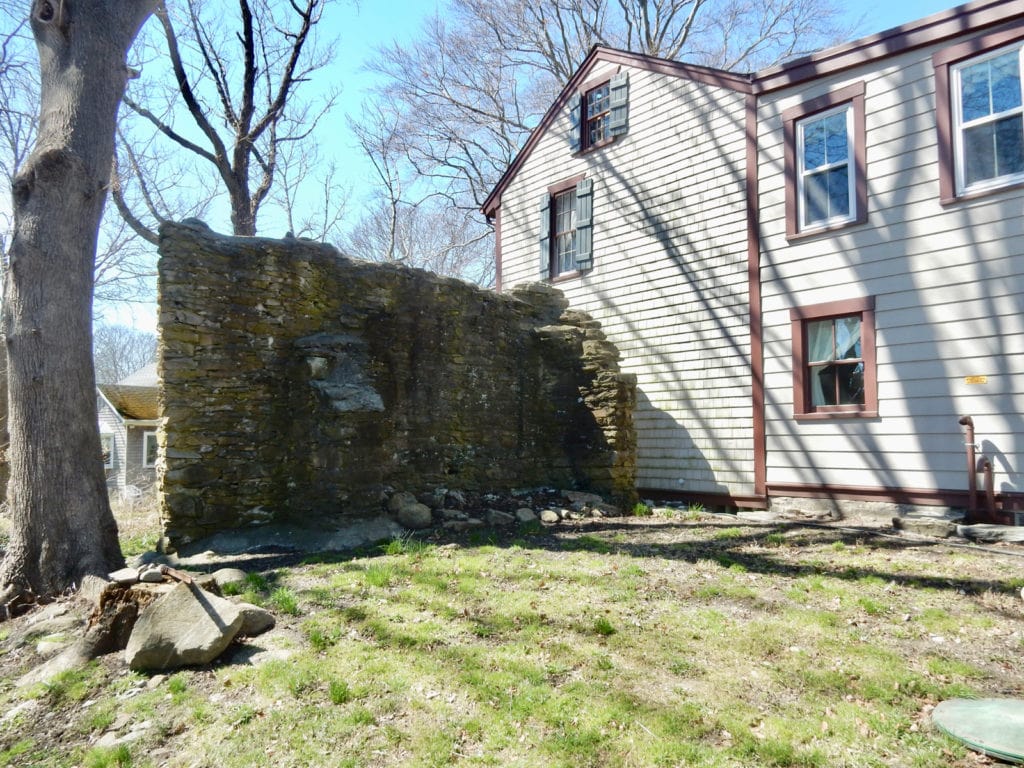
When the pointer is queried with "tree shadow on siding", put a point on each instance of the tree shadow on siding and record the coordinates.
(673, 450)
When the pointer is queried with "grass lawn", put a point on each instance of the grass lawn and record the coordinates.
(696, 640)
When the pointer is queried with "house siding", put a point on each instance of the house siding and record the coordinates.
(137, 474)
(110, 423)
(949, 302)
(669, 281)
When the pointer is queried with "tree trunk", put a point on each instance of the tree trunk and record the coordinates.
(63, 528)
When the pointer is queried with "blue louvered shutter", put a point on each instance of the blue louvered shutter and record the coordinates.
(585, 224)
(618, 119)
(575, 121)
(545, 236)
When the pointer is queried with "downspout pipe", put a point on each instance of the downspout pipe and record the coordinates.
(972, 468)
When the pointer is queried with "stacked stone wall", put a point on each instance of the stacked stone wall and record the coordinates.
(298, 385)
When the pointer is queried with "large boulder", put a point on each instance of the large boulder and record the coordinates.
(187, 626)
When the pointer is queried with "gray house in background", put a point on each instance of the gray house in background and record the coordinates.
(129, 419)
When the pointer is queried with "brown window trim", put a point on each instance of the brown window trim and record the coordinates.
(562, 186)
(557, 188)
(854, 95)
(942, 61)
(798, 317)
(582, 91)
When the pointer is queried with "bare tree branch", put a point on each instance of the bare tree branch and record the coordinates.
(238, 88)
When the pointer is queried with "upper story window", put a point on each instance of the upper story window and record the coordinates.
(566, 228)
(989, 120)
(599, 113)
(825, 177)
(563, 235)
(979, 105)
(597, 105)
(826, 184)
(834, 359)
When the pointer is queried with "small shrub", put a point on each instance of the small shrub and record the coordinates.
(604, 627)
(775, 540)
(641, 510)
(112, 757)
(871, 607)
(322, 637)
(380, 574)
(284, 600)
(257, 582)
(339, 692)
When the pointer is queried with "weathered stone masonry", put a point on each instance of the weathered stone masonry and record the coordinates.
(300, 385)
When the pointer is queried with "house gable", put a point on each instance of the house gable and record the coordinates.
(603, 55)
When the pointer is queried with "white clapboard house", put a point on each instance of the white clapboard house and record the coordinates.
(815, 270)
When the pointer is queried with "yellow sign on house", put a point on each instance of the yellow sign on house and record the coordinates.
(975, 379)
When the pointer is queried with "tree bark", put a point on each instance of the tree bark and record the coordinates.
(63, 528)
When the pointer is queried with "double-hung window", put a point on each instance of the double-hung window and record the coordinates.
(824, 156)
(834, 359)
(566, 228)
(988, 119)
(563, 235)
(597, 106)
(599, 112)
(979, 104)
(149, 449)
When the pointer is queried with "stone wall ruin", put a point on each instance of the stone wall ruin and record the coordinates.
(300, 386)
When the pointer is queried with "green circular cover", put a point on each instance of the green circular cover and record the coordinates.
(994, 727)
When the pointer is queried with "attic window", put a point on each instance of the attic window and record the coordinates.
(597, 104)
(600, 112)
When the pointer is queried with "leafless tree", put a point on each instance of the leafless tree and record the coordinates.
(468, 91)
(309, 193)
(229, 106)
(119, 351)
(62, 527)
(407, 220)
(430, 234)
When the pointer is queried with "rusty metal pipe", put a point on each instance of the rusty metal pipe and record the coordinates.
(972, 468)
(990, 488)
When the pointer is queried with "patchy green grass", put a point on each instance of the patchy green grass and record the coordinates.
(661, 642)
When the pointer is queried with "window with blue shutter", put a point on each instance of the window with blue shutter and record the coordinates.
(618, 117)
(584, 225)
(599, 113)
(566, 228)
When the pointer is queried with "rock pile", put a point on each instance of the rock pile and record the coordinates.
(184, 621)
(458, 511)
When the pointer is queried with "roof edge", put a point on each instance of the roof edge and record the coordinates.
(954, 22)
